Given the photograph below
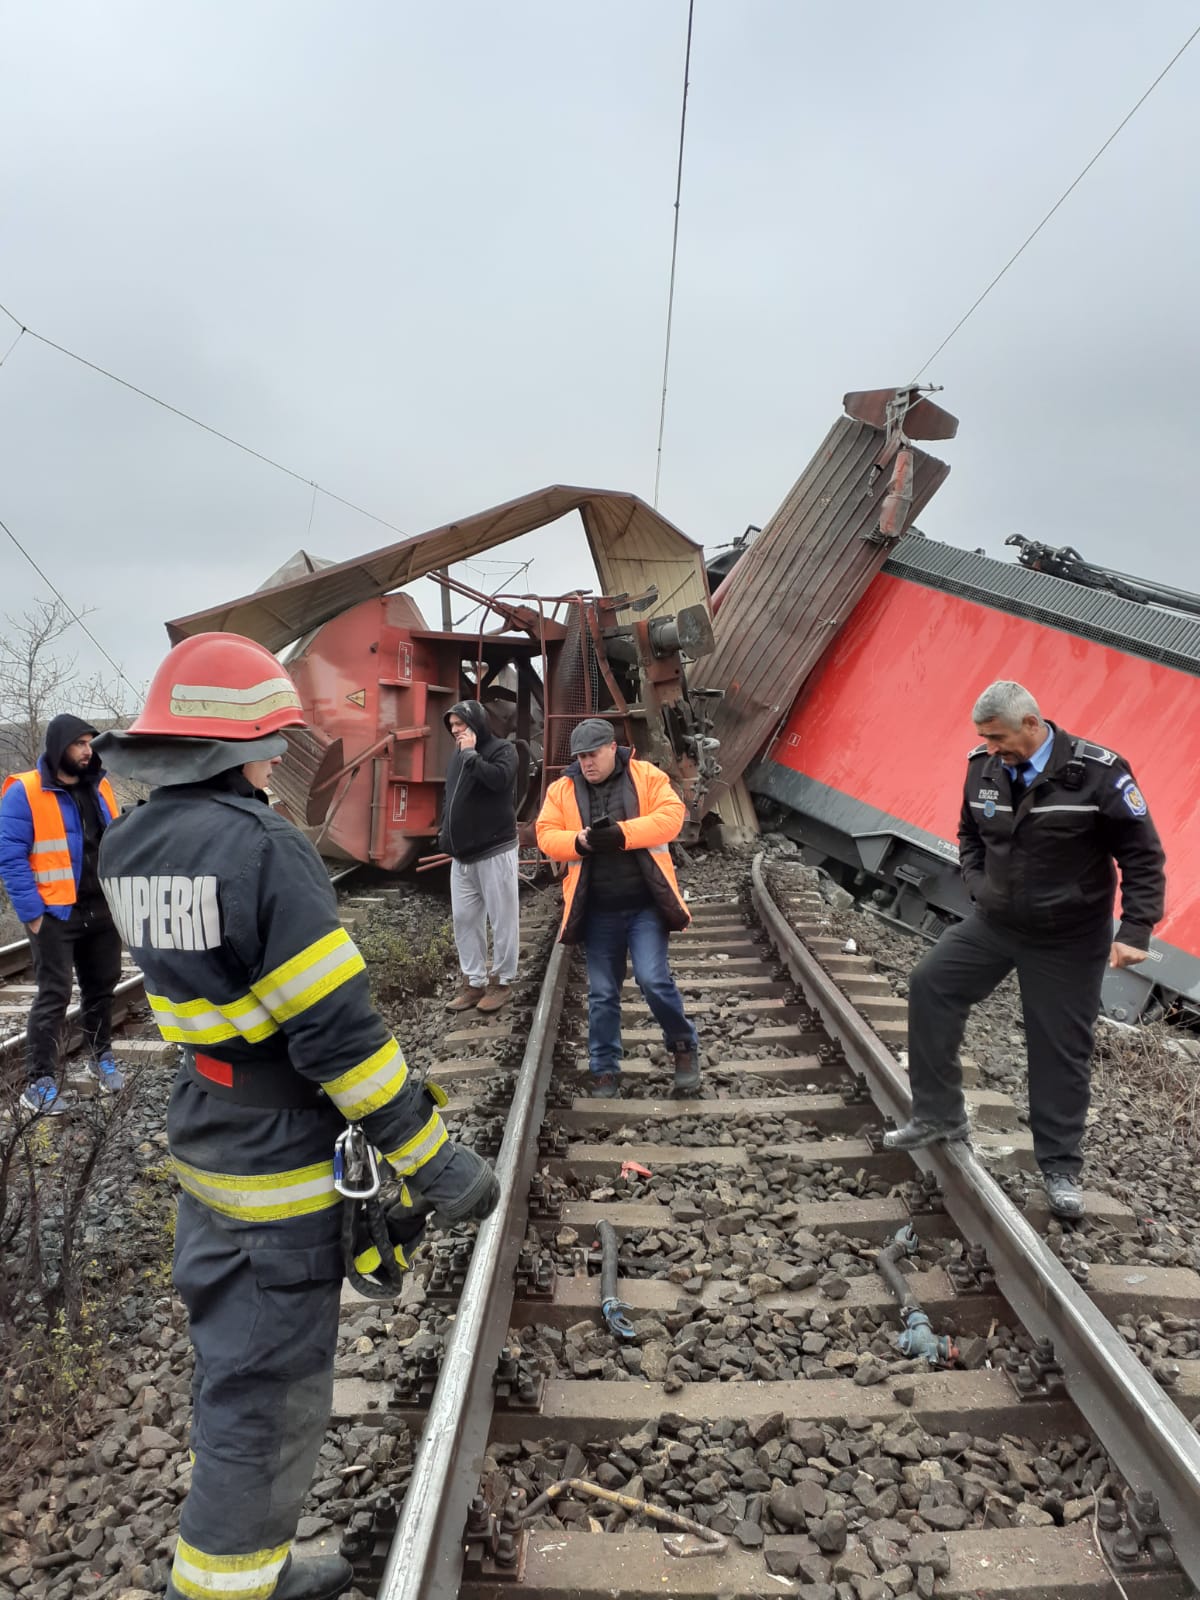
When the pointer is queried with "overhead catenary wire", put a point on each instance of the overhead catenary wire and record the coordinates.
(66, 605)
(662, 415)
(14, 344)
(1020, 251)
(186, 416)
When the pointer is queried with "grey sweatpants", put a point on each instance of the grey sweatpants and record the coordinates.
(483, 892)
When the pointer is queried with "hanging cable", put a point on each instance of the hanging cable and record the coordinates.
(12, 346)
(662, 415)
(1128, 117)
(124, 383)
(71, 612)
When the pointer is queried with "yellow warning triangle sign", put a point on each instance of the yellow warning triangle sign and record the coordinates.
(358, 698)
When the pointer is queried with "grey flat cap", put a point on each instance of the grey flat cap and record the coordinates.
(592, 734)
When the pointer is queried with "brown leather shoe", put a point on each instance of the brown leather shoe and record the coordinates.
(467, 998)
(496, 994)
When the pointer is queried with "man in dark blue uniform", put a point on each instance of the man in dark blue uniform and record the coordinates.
(228, 911)
(1046, 819)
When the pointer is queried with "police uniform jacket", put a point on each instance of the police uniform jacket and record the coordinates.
(229, 912)
(1040, 859)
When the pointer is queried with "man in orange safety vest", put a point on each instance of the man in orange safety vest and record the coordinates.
(51, 821)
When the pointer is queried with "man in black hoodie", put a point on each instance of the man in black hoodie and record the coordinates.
(479, 831)
(51, 820)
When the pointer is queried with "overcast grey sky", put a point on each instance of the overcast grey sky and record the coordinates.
(419, 253)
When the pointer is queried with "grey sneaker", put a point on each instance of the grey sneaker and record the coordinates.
(107, 1073)
(918, 1133)
(43, 1096)
(605, 1086)
(1064, 1194)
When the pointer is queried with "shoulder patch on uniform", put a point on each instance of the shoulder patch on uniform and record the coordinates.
(1095, 752)
(979, 750)
(1134, 800)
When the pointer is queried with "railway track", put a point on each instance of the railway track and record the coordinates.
(16, 996)
(763, 1400)
(17, 991)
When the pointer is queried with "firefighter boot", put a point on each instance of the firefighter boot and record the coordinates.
(311, 1578)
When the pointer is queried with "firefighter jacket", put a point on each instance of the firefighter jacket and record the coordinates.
(1041, 859)
(654, 814)
(229, 912)
(42, 841)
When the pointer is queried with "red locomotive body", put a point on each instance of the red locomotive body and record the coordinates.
(867, 770)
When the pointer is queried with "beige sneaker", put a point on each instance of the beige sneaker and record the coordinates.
(467, 997)
(496, 994)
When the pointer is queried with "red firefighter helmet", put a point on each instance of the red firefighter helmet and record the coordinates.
(219, 686)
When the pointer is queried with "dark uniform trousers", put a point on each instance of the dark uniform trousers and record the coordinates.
(262, 1303)
(87, 943)
(1060, 1000)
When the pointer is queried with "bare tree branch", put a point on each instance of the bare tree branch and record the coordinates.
(35, 682)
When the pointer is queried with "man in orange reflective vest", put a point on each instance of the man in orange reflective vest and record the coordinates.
(51, 820)
(611, 818)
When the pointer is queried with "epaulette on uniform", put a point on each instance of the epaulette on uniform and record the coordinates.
(1094, 752)
(979, 750)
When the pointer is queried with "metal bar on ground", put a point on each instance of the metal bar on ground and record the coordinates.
(425, 1560)
(1144, 1432)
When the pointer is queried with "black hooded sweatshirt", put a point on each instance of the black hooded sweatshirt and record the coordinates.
(61, 733)
(479, 816)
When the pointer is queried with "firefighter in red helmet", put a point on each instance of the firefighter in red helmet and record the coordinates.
(230, 915)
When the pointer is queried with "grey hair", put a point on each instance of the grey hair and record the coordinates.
(1005, 702)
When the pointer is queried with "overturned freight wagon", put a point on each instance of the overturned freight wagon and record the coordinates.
(366, 777)
(786, 597)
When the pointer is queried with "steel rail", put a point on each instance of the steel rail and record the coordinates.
(15, 958)
(1143, 1431)
(124, 995)
(425, 1559)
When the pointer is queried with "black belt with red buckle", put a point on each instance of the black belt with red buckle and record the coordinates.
(269, 1085)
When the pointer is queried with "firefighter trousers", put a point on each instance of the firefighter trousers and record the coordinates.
(1060, 1000)
(262, 1305)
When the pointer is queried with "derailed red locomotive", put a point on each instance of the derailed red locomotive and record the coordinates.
(866, 771)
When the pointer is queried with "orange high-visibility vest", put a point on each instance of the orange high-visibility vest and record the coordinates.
(50, 858)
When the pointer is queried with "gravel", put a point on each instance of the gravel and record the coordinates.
(95, 1514)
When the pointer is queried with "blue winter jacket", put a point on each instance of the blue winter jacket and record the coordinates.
(16, 841)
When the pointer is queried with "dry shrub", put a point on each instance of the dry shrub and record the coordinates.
(54, 1294)
(1164, 1065)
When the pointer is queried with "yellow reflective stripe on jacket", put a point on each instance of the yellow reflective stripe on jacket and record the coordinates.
(415, 1152)
(209, 1022)
(201, 1576)
(371, 1084)
(308, 977)
(261, 1197)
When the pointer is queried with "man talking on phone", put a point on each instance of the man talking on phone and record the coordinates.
(611, 818)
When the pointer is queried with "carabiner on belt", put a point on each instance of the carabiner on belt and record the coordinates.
(355, 1170)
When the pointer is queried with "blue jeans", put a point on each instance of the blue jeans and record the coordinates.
(609, 936)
